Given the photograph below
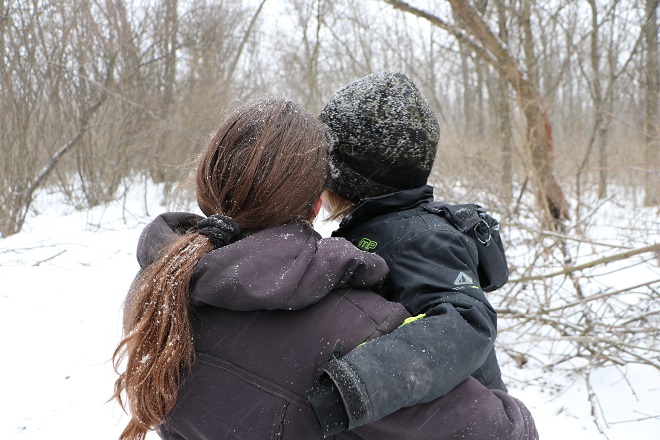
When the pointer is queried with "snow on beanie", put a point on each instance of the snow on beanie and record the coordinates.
(386, 136)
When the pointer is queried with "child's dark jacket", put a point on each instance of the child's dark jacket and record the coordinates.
(433, 270)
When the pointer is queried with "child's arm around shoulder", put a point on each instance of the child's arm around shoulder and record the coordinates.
(425, 359)
(416, 363)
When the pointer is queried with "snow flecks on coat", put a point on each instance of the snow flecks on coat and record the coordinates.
(247, 275)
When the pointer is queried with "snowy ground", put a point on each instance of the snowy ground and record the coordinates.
(64, 278)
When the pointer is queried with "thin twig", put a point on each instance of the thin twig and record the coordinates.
(609, 259)
(564, 237)
(38, 263)
(597, 297)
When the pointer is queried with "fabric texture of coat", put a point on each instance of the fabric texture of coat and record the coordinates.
(434, 269)
(268, 311)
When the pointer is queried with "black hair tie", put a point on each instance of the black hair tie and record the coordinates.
(221, 229)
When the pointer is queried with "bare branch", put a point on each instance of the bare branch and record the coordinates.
(442, 24)
(609, 259)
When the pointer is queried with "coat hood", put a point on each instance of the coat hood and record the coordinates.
(286, 267)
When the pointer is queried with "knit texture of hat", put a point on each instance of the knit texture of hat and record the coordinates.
(386, 136)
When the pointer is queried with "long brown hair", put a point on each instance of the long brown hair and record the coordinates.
(266, 165)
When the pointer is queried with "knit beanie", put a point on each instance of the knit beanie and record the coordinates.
(386, 136)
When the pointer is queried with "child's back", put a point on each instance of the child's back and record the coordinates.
(433, 267)
(386, 142)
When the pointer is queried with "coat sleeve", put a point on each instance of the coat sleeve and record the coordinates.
(469, 411)
(425, 359)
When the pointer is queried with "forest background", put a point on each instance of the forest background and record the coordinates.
(549, 114)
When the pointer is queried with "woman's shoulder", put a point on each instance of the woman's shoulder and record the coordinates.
(288, 267)
(376, 315)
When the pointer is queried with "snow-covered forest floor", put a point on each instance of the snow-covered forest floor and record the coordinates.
(65, 275)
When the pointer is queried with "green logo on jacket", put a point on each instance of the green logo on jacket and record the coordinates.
(367, 244)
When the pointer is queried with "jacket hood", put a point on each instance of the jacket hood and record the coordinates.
(286, 267)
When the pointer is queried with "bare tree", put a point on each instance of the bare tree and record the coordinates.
(503, 110)
(167, 69)
(488, 47)
(50, 97)
(652, 130)
(602, 78)
(302, 53)
(600, 123)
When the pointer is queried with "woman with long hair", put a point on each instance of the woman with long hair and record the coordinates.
(233, 313)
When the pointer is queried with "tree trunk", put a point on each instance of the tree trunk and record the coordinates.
(652, 186)
(503, 112)
(599, 120)
(550, 196)
(313, 101)
(169, 51)
(480, 68)
(468, 99)
(505, 135)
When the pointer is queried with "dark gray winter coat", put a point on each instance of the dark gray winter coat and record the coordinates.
(434, 269)
(268, 310)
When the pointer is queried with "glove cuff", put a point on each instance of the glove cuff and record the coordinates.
(352, 391)
(328, 407)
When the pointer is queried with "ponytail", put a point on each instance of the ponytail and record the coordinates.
(157, 344)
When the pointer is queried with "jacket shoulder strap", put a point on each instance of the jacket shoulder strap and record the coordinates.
(468, 218)
(472, 220)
